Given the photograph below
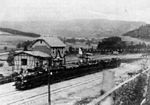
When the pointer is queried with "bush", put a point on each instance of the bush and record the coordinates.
(131, 93)
(1, 64)
(10, 58)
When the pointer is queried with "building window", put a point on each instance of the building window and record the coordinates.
(23, 61)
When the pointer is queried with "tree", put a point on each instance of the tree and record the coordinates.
(10, 58)
(24, 44)
(5, 48)
(88, 42)
(111, 43)
(19, 45)
(71, 49)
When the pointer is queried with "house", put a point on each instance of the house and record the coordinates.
(52, 46)
(30, 59)
(43, 50)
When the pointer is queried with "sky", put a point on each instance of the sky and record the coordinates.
(30, 10)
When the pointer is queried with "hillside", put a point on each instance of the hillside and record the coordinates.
(75, 28)
(142, 32)
(9, 38)
(17, 32)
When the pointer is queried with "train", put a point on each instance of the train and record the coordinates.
(39, 76)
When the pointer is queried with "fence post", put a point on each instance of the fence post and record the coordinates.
(108, 80)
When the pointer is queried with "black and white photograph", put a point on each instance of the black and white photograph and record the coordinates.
(74, 52)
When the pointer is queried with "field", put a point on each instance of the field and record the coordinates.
(11, 41)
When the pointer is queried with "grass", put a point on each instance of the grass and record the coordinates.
(11, 41)
(88, 99)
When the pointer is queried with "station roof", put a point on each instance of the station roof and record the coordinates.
(52, 41)
(35, 53)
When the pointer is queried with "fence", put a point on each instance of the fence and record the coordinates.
(130, 92)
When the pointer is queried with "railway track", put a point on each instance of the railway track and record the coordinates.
(15, 91)
(5, 96)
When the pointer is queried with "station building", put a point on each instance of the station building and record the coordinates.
(44, 50)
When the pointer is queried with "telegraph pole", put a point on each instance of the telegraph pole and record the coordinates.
(49, 94)
(49, 91)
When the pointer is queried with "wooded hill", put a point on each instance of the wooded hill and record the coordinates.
(75, 28)
(17, 32)
(142, 32)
